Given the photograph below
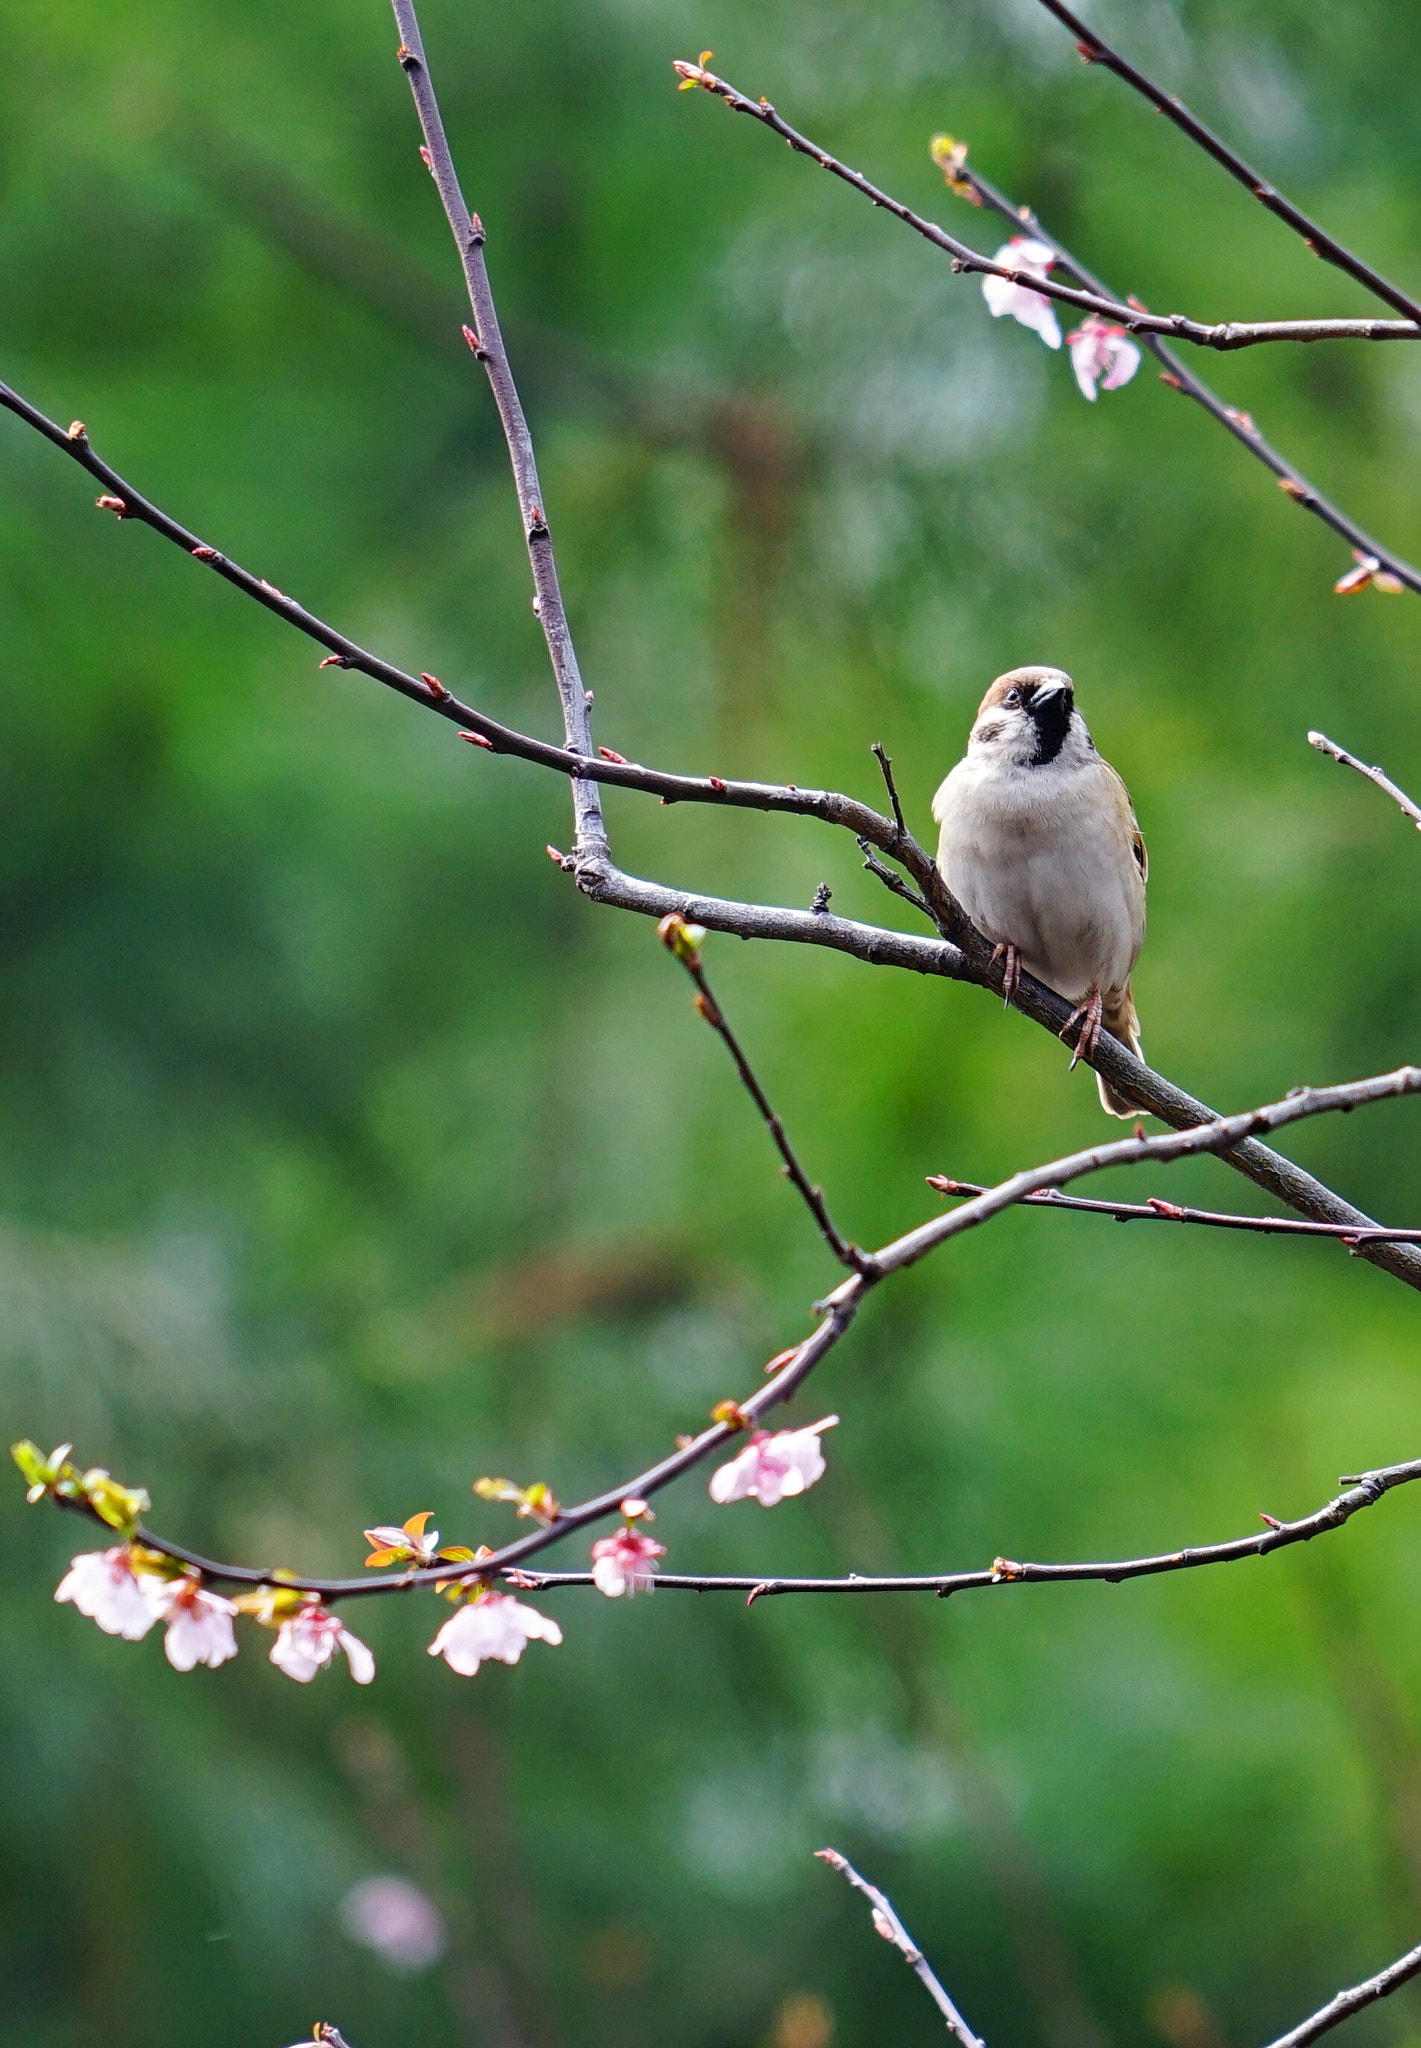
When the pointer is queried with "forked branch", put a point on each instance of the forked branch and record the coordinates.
(1225, 335)
(1096, 50)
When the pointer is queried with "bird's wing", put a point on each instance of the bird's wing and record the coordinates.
(1130, 822)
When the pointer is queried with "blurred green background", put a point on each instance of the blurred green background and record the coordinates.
(345, 1154)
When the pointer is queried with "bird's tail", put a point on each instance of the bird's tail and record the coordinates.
(1120, 1020)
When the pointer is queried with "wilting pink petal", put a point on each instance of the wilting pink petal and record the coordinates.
(772, 1467)
(1018, 301)
(397, 1920)
(1102, 354)
(495, 1626)
(103, 1585)
(306, 1643)
(199, 1623)
(625, 1562)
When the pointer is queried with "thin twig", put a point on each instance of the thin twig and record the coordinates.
(885, 762)
(893, 882)
(682, 947)
(486, 341)
(1383, 782)
(1179, 377)
(887, 1923)
(1346, 2003)
(1157, 1210)
(1224, 1135)
(966, 956)
(1096, 50)
(1226, 335)
(1361, 1491)
(130, 503)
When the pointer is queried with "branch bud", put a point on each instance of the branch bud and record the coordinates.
(109, 503)
(682, 939)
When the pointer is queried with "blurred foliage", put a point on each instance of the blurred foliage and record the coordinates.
(345, 1154)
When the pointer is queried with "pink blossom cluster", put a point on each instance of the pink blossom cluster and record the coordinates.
(128, 1590)
(1102, 354)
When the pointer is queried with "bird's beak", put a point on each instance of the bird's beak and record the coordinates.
(1045, 690)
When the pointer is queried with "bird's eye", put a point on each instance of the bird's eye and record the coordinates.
(1012, 698)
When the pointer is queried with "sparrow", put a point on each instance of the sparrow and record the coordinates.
(1040, 846)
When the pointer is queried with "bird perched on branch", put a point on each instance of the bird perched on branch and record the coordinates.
(1040, 847)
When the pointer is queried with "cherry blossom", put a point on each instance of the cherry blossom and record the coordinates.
(625, 1562)
(104, 1585)
(1024, 252)
(1103, 354)
(410, 1544)
(396, 1919)
(493, 1626)
(199, 1623)
(772, 1467)
(1368, 575)
(307, 1641)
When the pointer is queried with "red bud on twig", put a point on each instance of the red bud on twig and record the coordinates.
(333, 661)
(476, 739)
(109, 503)
(436, 689)
(204, 554)
(611, 754)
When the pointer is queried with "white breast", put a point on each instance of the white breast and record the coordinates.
(1041, 857)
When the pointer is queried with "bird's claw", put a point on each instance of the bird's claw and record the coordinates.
(1011, 970)
(1086, 1020)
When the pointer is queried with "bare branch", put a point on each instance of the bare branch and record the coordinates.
(966, 957)
(1383, 782)
(893, 883)
(1179, 377)
(678, 941)
(887, 1923)
(1346, 2003)
(487, 345)
(1156, 1210)
(1096, 50)
(1225, 335)
(1224, 1135)
(885, 763)
(1363, 1491)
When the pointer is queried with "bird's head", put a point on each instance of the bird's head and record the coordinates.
(1028, 716)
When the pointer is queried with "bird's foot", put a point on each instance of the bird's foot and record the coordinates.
(1011, 970)
(1086, 1021)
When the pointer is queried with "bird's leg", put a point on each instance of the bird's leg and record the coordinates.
(1011, 970)
(1089, 1016)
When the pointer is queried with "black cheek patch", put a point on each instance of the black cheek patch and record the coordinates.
(1051, 715)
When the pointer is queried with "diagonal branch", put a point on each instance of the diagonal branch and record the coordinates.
(1342, 2007)
(1179, 377)
(1346, 2003)
(967, 956)
(1225, 335)
(487, 344)
(1362, 1491)
(887, 1923)
(1096, 50)
(683, 944)
(1223, 1135)
(1383, 782)
(1156, 1210)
